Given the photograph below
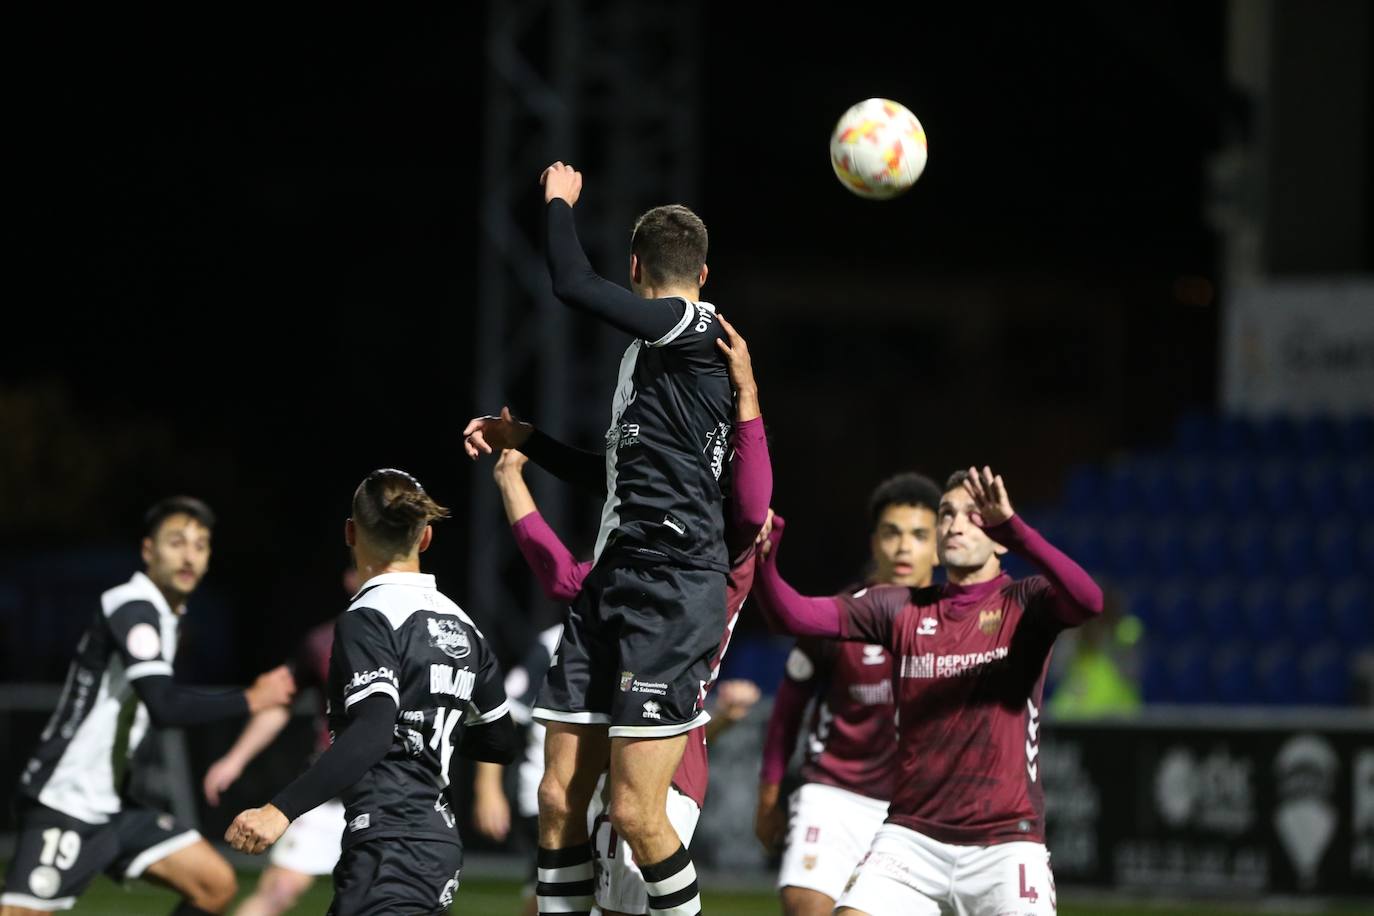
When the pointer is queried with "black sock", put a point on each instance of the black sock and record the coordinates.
(672, 886)
(184, 908)
(566, 881)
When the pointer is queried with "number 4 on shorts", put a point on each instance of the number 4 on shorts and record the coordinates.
(1028, 893)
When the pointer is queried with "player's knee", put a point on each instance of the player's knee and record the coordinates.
(633, 819)
(283, 888)
(555, 806)
(214, 888)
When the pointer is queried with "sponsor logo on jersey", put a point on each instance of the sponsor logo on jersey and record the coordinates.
(441, 806)
(446, 895)
(799, 665)
(166, 822)
(931, 665)
(626, 679)
(990, 620)
(651, 710)
(927, 627)
(414, 741)
(873, 655)
(413, 716)
(446, 635)
(808, 862)
(361, 822)
(674, 524)
(660, 690)
(453, 682)
(871, 694)
(624, 436)
(363, 678)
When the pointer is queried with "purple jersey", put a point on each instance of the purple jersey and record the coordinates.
(969, 669)
(851, 740)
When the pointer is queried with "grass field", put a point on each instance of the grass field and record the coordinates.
(479, 897)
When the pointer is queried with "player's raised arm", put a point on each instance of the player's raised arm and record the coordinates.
(752, 468)
(575, 466)
(581, 287)
(1073, 597)
(795, 613)
(558, 572)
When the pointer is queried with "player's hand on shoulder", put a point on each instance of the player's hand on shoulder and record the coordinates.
(483, 435)
(991, 504)
(770, 535)
(272, 688)
(561, 181)
(256, 829)
(737, 360)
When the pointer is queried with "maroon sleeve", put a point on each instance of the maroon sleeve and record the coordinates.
(1070, 596)
(868, 615)
(752, 488)
(787, 609)
(559, 574)
(784, 724)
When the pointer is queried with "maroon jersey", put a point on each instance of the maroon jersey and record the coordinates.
(693, 772)
(851, 740)
(969, 669)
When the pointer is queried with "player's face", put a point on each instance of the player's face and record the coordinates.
(963, 545)
(904, 546)
(177, 555)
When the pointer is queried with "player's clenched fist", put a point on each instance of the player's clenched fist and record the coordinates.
(256, 829)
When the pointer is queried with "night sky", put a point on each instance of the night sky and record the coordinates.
(243, 250)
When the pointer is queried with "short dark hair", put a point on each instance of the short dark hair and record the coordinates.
(393, 509)
(164, 509)
(905, 489)
(671, 243)
(955, 480)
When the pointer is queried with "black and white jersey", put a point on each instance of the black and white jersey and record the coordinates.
(671, 417)
(79, 765)
(402, 638)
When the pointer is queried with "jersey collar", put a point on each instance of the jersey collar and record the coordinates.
(154, 594)
(414, 580)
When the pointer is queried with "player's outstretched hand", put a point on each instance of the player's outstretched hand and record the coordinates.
(256, 829)
(561, 181)
(272, 688)
(482, 435)
(770, 819)
(737, 360)
(991, 506)
(734, 698)
(222, 774)
(491, 815)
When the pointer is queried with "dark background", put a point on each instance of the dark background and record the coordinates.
(243, 250)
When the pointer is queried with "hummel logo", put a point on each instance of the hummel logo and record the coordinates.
(927, 627)
(651, 710)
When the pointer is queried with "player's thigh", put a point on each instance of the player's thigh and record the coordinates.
(197, 872)
(55, 858)
(829, 831)
(1005, 878)
(575, 756)
(671, 623)
(903, 874)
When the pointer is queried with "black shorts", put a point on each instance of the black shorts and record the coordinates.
(395, 876)
(57, 856)
(637, 650)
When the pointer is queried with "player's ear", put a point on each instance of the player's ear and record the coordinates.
(701, 277)
(636, 270)
(998, 549)
(350, 533)
(426, 538)
(147, 551)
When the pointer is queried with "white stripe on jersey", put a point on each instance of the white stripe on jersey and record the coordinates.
(378, 687)
(398, 595)
(678, 328)
(475, 716)
(623, 397)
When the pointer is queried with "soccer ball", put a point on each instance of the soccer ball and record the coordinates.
(878, 149)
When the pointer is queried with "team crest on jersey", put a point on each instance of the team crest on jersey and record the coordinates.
(990, 620)
(626, 679)
(448, 637)
(927, 627)
(873, 655)
(808, 862)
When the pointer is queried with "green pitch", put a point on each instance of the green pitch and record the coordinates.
(479, 897)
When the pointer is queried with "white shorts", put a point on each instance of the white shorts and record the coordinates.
(829, 831)
(619, 885)
(311, 844)
(909, 874)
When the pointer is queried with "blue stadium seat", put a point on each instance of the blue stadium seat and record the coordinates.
(1279, 489)
(1275, 435)
(1355, 435)
(1304, 611)
(1156, 680)
(1120, 490)
(1195, 485)
(1190, 680)
(1351, 604)
(1291, 547)
(1359, 487)
(1335, 549)
(1236, 488)
(1083, 489)
(1156, 490)
(1324, 676)
(1275, 675)
(1249, 546)
(1219, 609)
(1166, 547)
(1124, 549)
(1261, 607)
(1230, 436)
(1176, 610)
(1322, 487)
(1193, 433)
(1208, 550)
(1365, 546)
(1231, 674)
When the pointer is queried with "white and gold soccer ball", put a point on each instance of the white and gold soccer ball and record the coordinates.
(878, 149)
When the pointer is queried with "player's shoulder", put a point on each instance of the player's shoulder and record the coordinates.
(1024, 591)
(137, 596)
(698, 325)
(894, 597)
